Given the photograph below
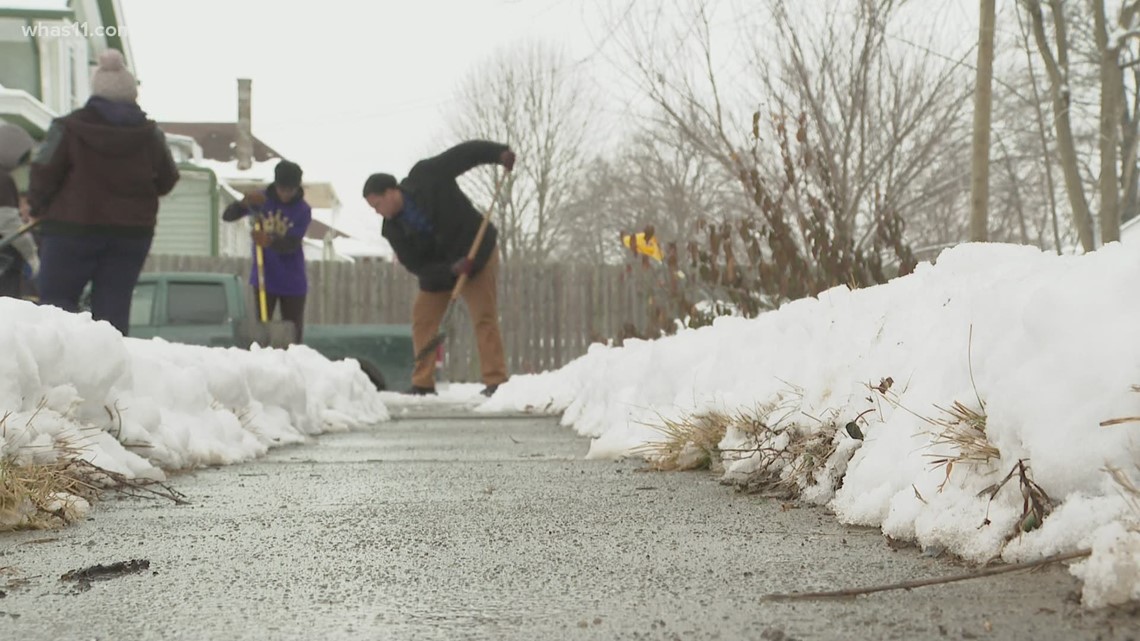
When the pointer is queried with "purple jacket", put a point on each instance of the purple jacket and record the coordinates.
(284, 257)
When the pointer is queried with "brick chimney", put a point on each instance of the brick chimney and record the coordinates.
(244, 144)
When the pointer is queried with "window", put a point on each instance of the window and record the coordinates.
(196, 304)
(142, 305)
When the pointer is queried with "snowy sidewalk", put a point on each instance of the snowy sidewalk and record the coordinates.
(483, 527)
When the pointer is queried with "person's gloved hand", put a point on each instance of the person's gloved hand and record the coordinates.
(254, 199)
(462, 266)
(261, 238)
(507, 159)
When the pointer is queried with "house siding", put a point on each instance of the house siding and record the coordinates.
(186, 224)
(21, 60)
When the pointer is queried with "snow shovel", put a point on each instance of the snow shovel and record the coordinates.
(429, 349)
(279, 334)
(6, 260)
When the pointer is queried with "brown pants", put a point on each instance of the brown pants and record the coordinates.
(481, 296)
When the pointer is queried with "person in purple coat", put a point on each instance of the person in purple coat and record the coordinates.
(283, 217)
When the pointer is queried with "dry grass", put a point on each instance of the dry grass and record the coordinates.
(787, 455)
(791, 457)
(1036, 504)
(960, 428)
(1128, 490)
(689, 443)
(46, 495)
(964, 430)
(29, 495)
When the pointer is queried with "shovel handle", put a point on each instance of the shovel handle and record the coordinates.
(25, 228)
(458, 289)
(263, 306)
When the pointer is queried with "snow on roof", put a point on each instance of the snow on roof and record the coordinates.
(329, 218)
(315, 250)
(261, 171)
(347, 249)
(348, 222)
(363, 248)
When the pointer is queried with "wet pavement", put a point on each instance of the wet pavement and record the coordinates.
(451, 526)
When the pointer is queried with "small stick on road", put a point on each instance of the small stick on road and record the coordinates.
(907, 585)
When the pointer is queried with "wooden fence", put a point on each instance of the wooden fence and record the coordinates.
(550, 314)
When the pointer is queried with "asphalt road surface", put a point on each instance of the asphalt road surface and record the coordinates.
(464, 527)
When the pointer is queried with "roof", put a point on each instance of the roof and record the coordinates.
(24, 110)
(348, 249)
(329, 219)
(45, 9)
(219, 140)
(51, 5)
(357, 236)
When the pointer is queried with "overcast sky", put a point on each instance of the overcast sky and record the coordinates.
(343, 87)
(346, 87)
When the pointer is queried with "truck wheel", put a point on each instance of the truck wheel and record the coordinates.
(374, 375)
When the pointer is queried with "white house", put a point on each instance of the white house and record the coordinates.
(242, 162)
(49, 50)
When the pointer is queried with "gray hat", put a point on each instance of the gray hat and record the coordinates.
(111, 79)
(15, 143)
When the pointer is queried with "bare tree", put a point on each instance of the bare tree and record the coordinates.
(983, 107)
(533, 99)
(654, 179)
(1042, 132)
(884, 117)
(599, 214)
(1118, 104)
(1111, 110)
(851, 136)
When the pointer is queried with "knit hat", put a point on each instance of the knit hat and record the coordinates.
(111, 79)
(379, 183)
(287, 174)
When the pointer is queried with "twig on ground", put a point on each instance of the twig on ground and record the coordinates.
(919, 583)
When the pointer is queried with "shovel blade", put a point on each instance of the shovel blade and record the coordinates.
(280, 334)
(274, 334)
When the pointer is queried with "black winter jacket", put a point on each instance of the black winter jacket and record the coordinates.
(431, 184)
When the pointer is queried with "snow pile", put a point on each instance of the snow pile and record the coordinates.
(1044, 347)
(139, 407)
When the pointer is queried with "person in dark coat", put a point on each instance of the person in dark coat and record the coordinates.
(284, 217)
(95, 184)
(19, 258)
(431, 224)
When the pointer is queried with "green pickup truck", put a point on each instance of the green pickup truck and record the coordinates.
(211, 309)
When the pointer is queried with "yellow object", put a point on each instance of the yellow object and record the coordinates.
(646, 248)
(260, 276)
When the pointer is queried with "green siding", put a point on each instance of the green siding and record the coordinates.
(21, 61)
(109, 19)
